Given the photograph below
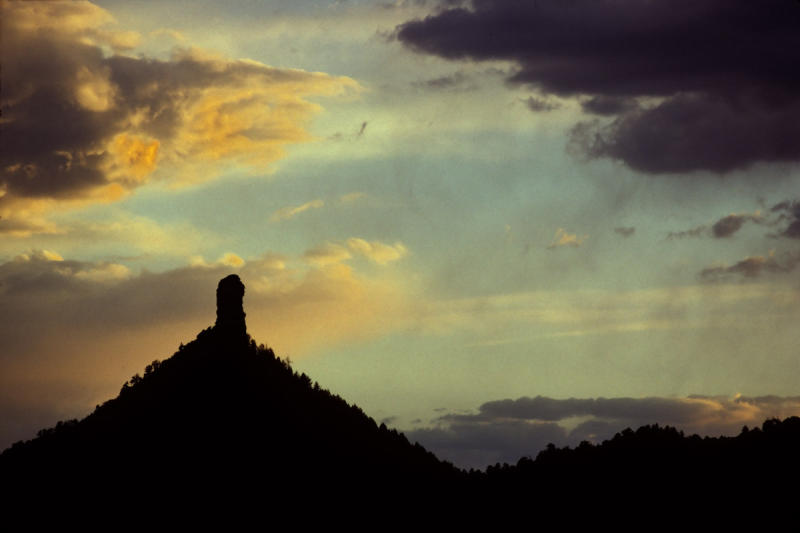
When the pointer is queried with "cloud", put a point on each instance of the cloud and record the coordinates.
(609, 105)
(540, 105)
(505, 430)
(84, 124)
(457, 81)
(753, 266)
(689, 86)
(285, 213)
(562, 238)
(590, 316)
(789, 212)
(476, 445)
(229, 259)
(118, 233)
(27, 225)
(377, 251)
(327, 254)
(352, 197)
(625, 231)
(722, 228)
(666, 410)
(694, 232)
(727, 226)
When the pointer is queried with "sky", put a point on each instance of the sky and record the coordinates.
(490, 224)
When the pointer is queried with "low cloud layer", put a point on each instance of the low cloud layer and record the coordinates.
(753, 266)
(505, 430)
(686, 85)
(83, 122)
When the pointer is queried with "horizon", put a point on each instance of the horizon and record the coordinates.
(487, 243)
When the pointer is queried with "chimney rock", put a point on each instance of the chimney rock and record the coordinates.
(230, 311)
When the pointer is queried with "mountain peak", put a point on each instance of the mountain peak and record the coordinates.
(230, 307)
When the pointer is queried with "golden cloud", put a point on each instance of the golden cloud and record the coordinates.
(285, 213)
(377, 251)
(327, 254)
(84, 124)
(563, 238)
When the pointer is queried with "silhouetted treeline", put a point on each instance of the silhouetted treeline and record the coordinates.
(661, 473)
(224, 416)
(225, 420)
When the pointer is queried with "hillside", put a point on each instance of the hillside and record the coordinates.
(226, 421)
(219, 415)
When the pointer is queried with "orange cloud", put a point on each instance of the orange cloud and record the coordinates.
(285, 213)
(377, 251)
(133, 158)
(327, 254)
(563, 238)
(84, 125)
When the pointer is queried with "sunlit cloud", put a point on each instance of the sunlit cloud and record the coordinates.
(327, 254)
(117, 233)
(285, 213)
(377, 251)
(352, 197)
(564, 238)
(228, 259)
(85, 124)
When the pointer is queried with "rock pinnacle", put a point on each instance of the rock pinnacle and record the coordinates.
(230, 311)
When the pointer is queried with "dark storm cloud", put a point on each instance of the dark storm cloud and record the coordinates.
(625, 231)
(45, 126)
(608, 105)
(721, 74)
(538, 105)
(506, 430)
(754, 266)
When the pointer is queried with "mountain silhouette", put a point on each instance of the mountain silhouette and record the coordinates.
(224, 418)
(225, 425)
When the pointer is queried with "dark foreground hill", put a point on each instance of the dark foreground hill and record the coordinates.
(227, 418)
(224, 421)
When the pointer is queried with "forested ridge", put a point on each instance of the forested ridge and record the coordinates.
(226, 420)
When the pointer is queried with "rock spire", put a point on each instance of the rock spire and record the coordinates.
(230, 310)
